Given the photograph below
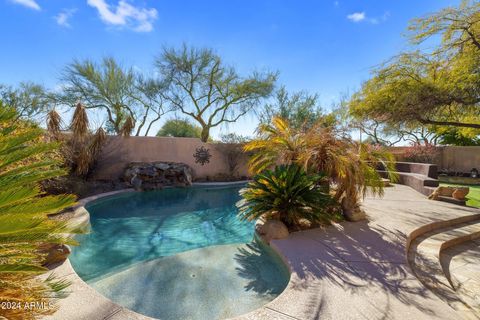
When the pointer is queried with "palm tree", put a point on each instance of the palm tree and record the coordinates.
(25, 227)
(349, 166)
(277, 142)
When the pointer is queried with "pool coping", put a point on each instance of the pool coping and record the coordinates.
(113, 310)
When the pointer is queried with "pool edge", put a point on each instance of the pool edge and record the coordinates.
(108, 308)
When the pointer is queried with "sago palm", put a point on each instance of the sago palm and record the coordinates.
(288, 194)
(25, 227)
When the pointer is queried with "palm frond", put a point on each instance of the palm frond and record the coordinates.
(54, 123)
(25, 227)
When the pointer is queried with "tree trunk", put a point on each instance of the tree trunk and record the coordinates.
(205, 134)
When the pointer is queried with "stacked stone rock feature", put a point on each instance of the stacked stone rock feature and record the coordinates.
(156, 175)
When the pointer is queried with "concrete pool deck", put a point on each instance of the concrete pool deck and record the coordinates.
(347, 271)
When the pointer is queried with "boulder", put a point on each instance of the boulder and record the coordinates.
(54, 253)
(460, 193)
(272, 229)
(156, 175)
(442, 192)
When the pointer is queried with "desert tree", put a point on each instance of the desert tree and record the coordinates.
(231, 147)
(203, 87)
(29, 99)
(437, 87)
(179, 128)
(458, 27)
(417, 89)
(121, 93)
(300, 109)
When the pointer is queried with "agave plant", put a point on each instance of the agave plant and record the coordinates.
(349, 166)
(24, 225)
(288, 194)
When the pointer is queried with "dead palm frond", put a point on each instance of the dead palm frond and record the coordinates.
(80, 148)
(80, 124)
(351, 166)
(83, 162)
(127, 127)
(54, 123)
(97, 143)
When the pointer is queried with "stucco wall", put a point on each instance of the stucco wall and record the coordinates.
(119, 152)
(456, 159)
(459, 159)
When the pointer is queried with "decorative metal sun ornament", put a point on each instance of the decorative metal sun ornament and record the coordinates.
(202, 155)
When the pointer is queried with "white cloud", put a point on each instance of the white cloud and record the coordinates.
(356, 16)
(362, 16)
(125, 15)
(32, 4)
(64, 16)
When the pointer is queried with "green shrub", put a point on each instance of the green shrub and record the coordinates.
(288, 194)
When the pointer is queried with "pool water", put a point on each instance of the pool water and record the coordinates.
(169, 252)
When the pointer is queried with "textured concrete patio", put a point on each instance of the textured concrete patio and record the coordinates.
(359, 270)
(348, 271)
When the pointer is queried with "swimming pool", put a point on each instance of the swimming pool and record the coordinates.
(178, 253)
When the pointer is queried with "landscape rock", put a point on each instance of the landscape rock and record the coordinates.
(156, 175)
(55, 253)
(457, 193)
(272, 230)
(460, 193)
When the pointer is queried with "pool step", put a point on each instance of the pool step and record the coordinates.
(429, 263)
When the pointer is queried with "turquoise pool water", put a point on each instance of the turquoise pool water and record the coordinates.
(178, 253)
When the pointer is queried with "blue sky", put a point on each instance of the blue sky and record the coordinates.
(325, 47)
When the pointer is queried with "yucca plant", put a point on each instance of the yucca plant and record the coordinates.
(286, 193)
(25, 227)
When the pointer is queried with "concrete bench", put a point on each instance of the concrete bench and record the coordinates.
(420, 176)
